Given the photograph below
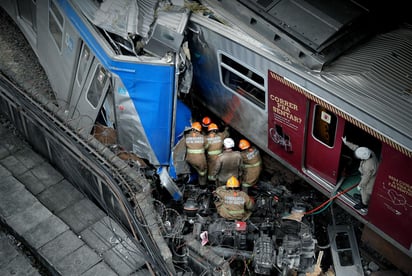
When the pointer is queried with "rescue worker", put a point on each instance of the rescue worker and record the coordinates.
(232, 203)
(228, 163)
(195, 152)
(206, 121)
(214, 147)
(367, 168)
(252, 164)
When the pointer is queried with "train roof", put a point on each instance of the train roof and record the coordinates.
(314, 32)
(157, 26)
(359, 63)
(375, 78)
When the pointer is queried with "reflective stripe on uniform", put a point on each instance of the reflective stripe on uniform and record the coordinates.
(202, 173)
(252, 165)
(235, 212)
(195, 151)
(214, 152)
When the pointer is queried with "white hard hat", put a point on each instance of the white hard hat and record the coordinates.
(363, 153)
(228, 143)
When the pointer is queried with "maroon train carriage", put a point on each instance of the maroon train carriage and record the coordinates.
(295, 85)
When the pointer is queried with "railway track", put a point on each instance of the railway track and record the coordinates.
(122, 191)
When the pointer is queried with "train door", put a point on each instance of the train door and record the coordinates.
(349, 164)
(322, 148)
(83, 67)
(90, 87)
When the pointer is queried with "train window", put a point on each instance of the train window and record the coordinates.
(27, 11)
(242, 80)
(56, 24)
(324, 125)
(97, 86)
(84, 64)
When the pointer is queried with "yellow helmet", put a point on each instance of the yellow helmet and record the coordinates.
(244, 144)
(197, 126)
(212, 126)
(232, 182)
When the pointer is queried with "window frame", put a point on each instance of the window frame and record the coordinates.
(226, 68)
(333, 119)
(104, 87)
(85, 63)
(54, 13)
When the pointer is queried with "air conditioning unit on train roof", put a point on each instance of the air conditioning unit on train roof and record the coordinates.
(167, 34)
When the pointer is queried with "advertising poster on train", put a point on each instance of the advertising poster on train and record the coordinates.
(286, 111)
(391, 199)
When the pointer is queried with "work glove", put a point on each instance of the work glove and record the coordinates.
(344, 140)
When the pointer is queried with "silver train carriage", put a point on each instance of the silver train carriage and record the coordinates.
(117, 69)
(296, 77)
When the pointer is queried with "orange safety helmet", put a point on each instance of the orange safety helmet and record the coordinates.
(232, 182)
(206, 121)
(244, 144)
(212, 126)
(197, 126)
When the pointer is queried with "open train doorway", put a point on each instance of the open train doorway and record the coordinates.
(349, 174)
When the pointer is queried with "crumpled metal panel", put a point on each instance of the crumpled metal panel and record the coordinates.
(131, 132)
(121, 17)
(174, 19)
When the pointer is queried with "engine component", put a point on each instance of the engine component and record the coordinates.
(190, 208)
(204, 260)
(265, 255)
(298, 246)
(229, 233)
(271, 242)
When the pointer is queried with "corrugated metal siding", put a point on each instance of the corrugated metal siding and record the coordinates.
(377, 78)
(146, 15)
(120, 16)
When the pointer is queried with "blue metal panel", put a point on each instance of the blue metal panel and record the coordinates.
(183, 121)
(151, 90)
(150, 86)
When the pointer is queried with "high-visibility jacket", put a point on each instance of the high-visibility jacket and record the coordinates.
(195, 154)
(229, 163)
(233, 204)
(214, 147)
(252, 166)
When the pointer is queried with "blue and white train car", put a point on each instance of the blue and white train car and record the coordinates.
(116, 67)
